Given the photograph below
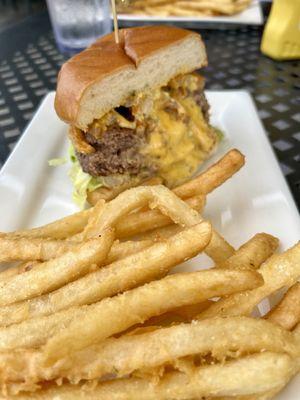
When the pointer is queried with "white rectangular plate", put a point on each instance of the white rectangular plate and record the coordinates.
(250, 16)
(257, 199)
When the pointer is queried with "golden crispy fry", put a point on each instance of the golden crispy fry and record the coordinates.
(166, 336)
(33, 249)
(169, 9)
(222, 337)
(265, 396)
(233, 378)
(167, 202)
(249, 256)
(183, 8)
(160, 233)
(156, 196)
(140, 3)
(213, 177)
(35, 332)
(218, 249)
(253, 253)
(227, 9)
(278, 271)
(117, 252)
(60, 229)
(114, 315)
(95, 214)
(18, 269)
(287, 312)
(177, 315)
(143, 221)
(53, 274)
(108, 194)
(151, 263)
(121, 250)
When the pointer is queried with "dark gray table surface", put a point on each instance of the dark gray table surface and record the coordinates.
(29, 62)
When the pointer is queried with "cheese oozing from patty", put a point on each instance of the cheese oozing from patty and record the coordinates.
(176, 133)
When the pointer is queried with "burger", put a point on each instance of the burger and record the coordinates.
(136, 110)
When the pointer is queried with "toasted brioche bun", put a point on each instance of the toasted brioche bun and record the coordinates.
(101, 77)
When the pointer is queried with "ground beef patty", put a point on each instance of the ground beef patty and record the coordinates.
(118, 149)
(117, 152)
(201, 100)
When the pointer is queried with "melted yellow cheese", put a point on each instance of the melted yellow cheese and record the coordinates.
(110, 118)
(178, 145)
(178, 140)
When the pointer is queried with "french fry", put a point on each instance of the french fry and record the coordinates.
(249, 256)
(265, 396)
(140, 222)
(117, 252)
(139, 268)
(227, 9)
(218, 249)
(157, 196)
(213, 177)
(182, 8)
(168, 203)
(35, 332)
(53, 274)
(33, 249)
(253, 253)
(233, 378)
(210, 179)
(174, 10)
(160, 233)
(278, 271)
(108, 194)
(18, 269)
(175, 316)
(60, 229)
(67, 324)
(287, 312)
(122, 356)
(122, 250)
(114, 315)
(95, 214)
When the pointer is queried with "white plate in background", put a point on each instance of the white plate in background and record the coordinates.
(256, 199)
(250, 16)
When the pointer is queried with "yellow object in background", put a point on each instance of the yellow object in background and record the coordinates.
(281, 37)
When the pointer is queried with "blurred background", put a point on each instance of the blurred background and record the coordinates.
(12, 11)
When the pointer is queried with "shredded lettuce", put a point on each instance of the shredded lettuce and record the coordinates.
(55, 162)
(82, 181)
(220, 134)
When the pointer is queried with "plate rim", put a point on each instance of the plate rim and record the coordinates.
(207, 20)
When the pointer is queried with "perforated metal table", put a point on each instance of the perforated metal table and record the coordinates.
(29, 62)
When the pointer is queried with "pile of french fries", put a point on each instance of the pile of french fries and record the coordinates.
(183, 8)
(91, 312)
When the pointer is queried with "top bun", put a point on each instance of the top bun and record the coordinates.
(101, 77)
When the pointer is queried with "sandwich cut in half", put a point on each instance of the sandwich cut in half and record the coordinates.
(136, 109)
